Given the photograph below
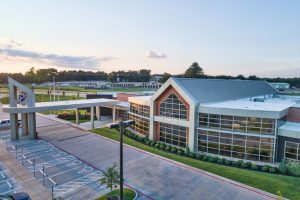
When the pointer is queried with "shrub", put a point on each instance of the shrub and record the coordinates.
(282, 167)
(174, 150)
(147, 137)
(220, 161)
(168, 148)
(192, 155)
(205, 157)
(180, 152)
(249, 164)
(142, 139)
(187, 151)
(265, 168)
(148, 142)
(199, 156)
(228, 162)
(293, 168)
(244, 165)
(254, 166)
(235, 163)
(272, 170)
(212, 159)
(153, 143)
(162, 146)
(157, 146)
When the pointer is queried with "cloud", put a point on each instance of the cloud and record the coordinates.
(152, 54)
(87, 62)
(5, 43)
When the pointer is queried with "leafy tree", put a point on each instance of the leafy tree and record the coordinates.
(111, 177)
(30, 75)
(194, 71)
(165, 77)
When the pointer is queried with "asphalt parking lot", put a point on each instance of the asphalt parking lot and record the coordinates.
(72, 156)
(53, 167)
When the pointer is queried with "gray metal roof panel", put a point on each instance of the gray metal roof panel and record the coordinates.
(216, 90)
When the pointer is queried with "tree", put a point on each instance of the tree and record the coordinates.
(30, 75)
(194, 71)
(164, 78)
(111, 177)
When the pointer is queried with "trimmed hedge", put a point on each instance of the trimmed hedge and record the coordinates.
(286, 167)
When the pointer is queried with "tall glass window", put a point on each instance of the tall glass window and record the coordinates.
(140, 109)
(237, 146)
(292, 150)
(173, 134)
(173, 107)
(256, 125)
(141, 125)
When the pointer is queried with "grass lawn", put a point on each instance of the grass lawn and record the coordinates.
(288, 186)
(128, 194)
(43, 98)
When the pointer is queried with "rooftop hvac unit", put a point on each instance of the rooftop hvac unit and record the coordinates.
(258, 100)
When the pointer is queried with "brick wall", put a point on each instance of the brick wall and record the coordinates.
(124, 96)
(293, 115)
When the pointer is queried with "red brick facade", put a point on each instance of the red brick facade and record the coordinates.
(293, 115)
(124, 96)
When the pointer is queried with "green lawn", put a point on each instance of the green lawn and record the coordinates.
(128, 194)
(288, 186)
(43, 98)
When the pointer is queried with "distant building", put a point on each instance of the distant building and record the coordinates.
(150, 84)
(281, 86)
(237, 119)
(105, 84)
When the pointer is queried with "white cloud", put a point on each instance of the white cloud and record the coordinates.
(9, 51)
(152, 54)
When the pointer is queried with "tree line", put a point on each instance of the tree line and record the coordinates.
(194, 71)
(46, 75)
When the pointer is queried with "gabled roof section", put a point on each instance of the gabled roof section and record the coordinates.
(178, 87)
(217, 90)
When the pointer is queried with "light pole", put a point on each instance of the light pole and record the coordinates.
(121, 125)
(53, 74)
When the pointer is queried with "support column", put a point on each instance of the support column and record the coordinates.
(14, 128)
(92, 117)
(114, 114)
(24, 119)
(77, 115)
(98, 113)
(32, 126)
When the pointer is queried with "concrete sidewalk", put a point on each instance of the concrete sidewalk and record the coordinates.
(25, 179)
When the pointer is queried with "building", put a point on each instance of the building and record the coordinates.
(281, 86)
(237, 119)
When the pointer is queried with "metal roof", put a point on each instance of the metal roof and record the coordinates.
(217, 90)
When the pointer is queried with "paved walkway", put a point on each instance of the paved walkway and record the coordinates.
(154, 176)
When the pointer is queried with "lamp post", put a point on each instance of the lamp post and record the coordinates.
(121, 125)
(53, 74)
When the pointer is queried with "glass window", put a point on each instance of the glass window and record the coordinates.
(173, 134)
(238, 123)
(173, 107)
(237, 146)
(143, 110)
(141, 125)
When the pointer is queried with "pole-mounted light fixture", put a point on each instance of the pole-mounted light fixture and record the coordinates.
(121, 125)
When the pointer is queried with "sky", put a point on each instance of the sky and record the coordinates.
(230, 37)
